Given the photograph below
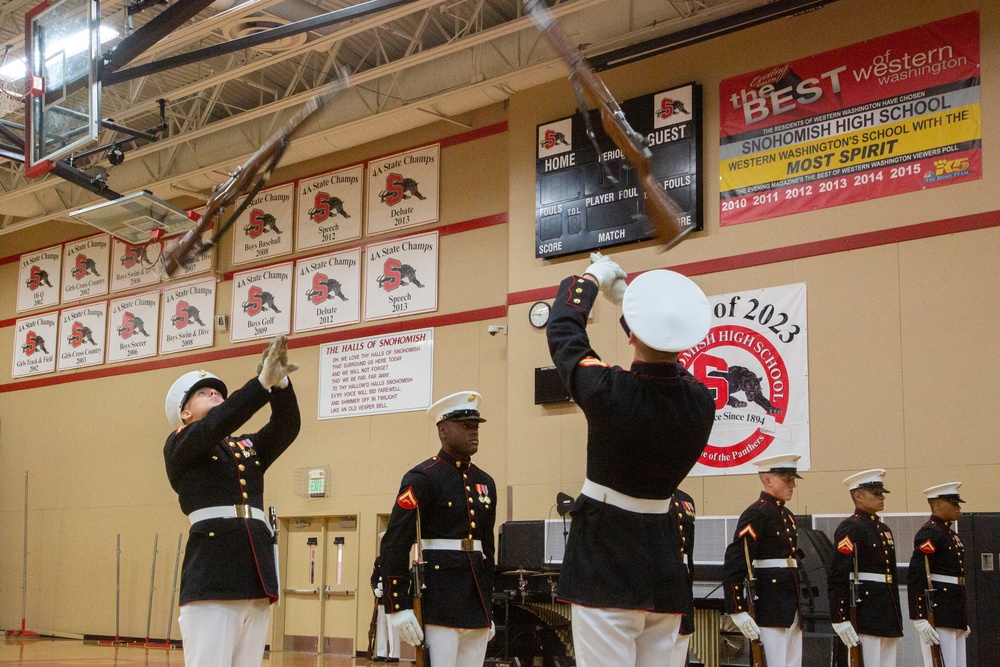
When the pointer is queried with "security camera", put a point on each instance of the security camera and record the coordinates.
(494, 330)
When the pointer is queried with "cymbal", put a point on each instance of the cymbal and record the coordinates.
(521, 570)
(550, 573)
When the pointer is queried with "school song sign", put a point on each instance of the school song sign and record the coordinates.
(896, 114)
(755, 361)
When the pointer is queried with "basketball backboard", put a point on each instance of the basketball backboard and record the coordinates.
(134, 217)
(63, 111)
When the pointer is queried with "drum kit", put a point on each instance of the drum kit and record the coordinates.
(551, 575)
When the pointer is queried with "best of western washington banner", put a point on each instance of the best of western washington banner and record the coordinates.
(895, 114)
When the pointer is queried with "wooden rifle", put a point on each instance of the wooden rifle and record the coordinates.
(372, 626)
(856, 658)
(246, 182)
(937, 660)
(423, 657)
(757, 655)
(660, 207)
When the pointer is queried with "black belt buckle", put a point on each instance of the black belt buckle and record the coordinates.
(468, 544)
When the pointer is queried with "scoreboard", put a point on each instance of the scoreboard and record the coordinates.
(580, 205)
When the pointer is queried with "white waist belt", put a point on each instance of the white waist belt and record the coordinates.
(628, 503)
(775, 562)
(229, 512)
(878, 578)
(452, 545)
(945, 579)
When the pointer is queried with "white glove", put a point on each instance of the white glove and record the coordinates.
(493, 631)
(405, 624)
(747, 625)
(610, 277)
(273, 369)
(928, 634)
(846, 633)
(968, 631)
(378, 590)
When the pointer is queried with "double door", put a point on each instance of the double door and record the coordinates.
(321, 586)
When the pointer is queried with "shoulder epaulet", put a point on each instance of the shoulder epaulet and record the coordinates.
(593, 361)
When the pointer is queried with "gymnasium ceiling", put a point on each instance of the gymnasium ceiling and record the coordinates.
(415, 63)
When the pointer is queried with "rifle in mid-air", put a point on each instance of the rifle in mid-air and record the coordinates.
(661, 209)
(757, 656)
(245, 182)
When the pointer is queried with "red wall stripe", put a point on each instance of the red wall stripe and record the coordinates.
(966, 223)
(111, 370)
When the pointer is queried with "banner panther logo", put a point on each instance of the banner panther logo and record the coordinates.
(398, 188)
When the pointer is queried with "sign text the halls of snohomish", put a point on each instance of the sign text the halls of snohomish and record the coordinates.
(578, 208)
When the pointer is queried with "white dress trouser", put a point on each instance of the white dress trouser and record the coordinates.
(456, 647)
(386, 640)
(679, 656)
(224, 633)
(952, 648)
(783, 646)
(623, 637)
(879, 651)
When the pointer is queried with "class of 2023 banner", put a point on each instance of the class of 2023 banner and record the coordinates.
(895, 114)
(755, 361)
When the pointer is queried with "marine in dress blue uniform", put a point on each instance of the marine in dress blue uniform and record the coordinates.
(228, 578)
(863, 536)
(936, 547)
(623, 573)
(766, 531)
(682, 511)
(456, 503)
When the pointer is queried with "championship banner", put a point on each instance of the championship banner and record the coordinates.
(134, 266)
(85, 268)
(38, 279)
(755, 361)
(401, 277)
(264, 229)
(329, 208)
(588, 198)
(187, 314)
(377, 375)
(132, 330)
(262, 303)
(403, 190)
(891, 115)
(328, 290)
(35, 340)
(81, 342)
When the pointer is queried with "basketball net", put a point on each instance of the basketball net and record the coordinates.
(11, 88)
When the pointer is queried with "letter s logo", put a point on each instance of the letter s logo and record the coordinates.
(254, 303)
(391, 276)
(393, 189)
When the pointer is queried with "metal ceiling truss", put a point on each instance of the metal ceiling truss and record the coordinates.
(411, 64)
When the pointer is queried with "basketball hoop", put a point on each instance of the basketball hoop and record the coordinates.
(11, 87)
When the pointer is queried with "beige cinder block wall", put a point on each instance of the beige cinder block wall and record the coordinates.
(901, 349)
